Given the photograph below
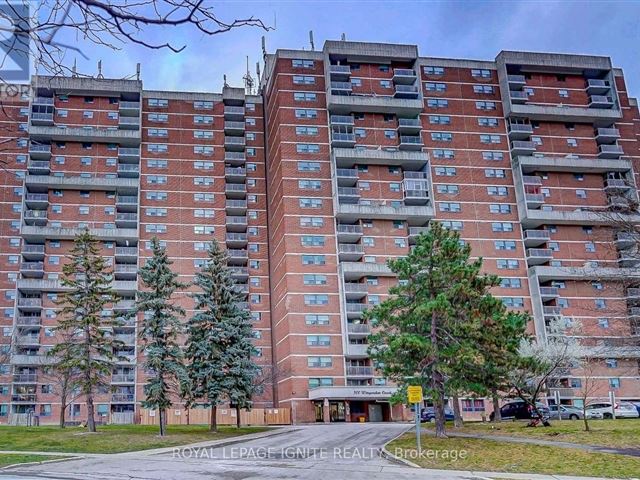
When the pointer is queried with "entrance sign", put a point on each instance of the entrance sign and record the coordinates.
(415, 393)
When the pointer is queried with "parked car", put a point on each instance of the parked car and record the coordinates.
(428, 414)
(637, 404)
(622, 409)
(568, 412)
(520, 410)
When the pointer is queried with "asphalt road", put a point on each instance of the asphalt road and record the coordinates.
(313, 452)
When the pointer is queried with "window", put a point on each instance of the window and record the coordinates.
(304, 97)
(563, 93)
(318, 340)
(307, 148)
(601, 303)
(495, 173)
(316, 299)
(603, 322)
(439, 119)
(310, 203)
(314, 319)
(157, 102)
(311, 222)
(157, 132)
(498, 191)
(158, 117)
(445, 171)
(510, 283)
(441, 136)
(297, 63)
(385, 83)
(452, 225)
(581, 193)
(499, 208)
(490, 139)
(319, 362)
(448, 189)
(488, 122)
(482, 105)
(202, 104)
(513, 302)
(453, 207)
(313, 259)
(483, 89)
(157, 147)
(492, 156)
(306, 113)
(505, 245)
(480, 73)
(445, 154)
(320, 382)
(435, 87)
(156, 179)
(203, 134)
(160, 196)
(308, 166)
(312, 240)
(315, 279)
(155, 228)
(472, 405)
(430, 70)
(614, 382)
(203, 119)
(304, 80)
(437, 103)
(507, 264)
(590, 247)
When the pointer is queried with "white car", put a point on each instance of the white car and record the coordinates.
(623, 409)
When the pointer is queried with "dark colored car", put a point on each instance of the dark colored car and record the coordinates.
(520, 411)
(428, 414)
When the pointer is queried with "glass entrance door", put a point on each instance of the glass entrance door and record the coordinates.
(337, 412)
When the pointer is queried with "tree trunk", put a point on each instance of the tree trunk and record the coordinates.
(497, 415)
(63, 408)
(238, 417)
(91, 422)
(584, 418)
(214, 421)
(457, 415)
(162, 414)
(187, 412)
(437, 381)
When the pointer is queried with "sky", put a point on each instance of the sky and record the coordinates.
(457, 29)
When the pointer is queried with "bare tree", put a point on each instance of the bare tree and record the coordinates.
(64, 384)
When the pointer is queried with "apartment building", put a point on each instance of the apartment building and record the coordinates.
(343, 158)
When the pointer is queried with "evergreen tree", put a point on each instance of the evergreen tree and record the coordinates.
(219, 339)
(87, 347)
(429, 324)
(159, 332)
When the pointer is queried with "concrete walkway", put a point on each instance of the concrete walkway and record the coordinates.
(632, 452)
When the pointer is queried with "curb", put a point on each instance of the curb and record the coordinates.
(28, 464)
(384, 453)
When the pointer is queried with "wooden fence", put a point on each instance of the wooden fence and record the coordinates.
(225, 416)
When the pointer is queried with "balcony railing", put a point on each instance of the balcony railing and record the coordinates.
(356, 307)
(342, 120)
(123, 378)
(122, 397)
(126, 251)
(340, 69)
(356, 288)
(356, 229)
(359, 371)
(25, 378)
(358, 328)
(30, 302)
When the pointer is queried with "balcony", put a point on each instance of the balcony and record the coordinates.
(235, 190)
(233, 128)
(404, 76)
(39, 167)
(411, 126)
(25, 378)
(618, 202)
(408, 160)
(235, 174)
(407, 91)
(28, 321)
(345, 103)
(128, 108)
(42, 118)
(129, 154)
(633, 294)
(34, 304)
(355, 310)
(347, 177)
(518, 96)
(45, 101)
(416, 197)
(121, 185)
(600, 101)
(411, 142)
(236, 239)
(610, 151)
(534, 200)
(122, 398)
(128, 170)
(35, 217)
(36, 200)
(519, 131)
(85, 134)
(124, 271)
(126, 253)
(549, 293)
(607, 135)
(29, 360)
(597, 87)
(359, 371)
(234, 143)
(588, 272)
(126, 220)
(339, 71)
(238, 255)
(572, 164)
(341, 88)
(24, 398)
(129, 123)
(350, 252)
(521, 147)
(32, 269)
(343, 139)
(342, 120)
(350, 195)
(414, 232)
(616, 185)
(354, 271)
(236, 224)
(626, 239)
(124, 305)
(27, 340)
(348, 233)
(236, 207)
(239, 274)
(357, 350)
(39, 151)
(355, 291)
(358, 329)
(127, 339)
(33, 252)
(123, 378)
(233, 113)
(235, 158)
(127, 203)
(551, 312)
(516, 81)
(539, 256)
(535, 238)
(628, 258)
(415, 215)
(40, 234)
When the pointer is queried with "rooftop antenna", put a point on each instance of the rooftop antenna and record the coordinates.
(258, 71)
(248, 80)
(74, 69)
(100, 69)
(343, 37)
(138, 71)
(224, 80)
(264, 47)
(313, 47)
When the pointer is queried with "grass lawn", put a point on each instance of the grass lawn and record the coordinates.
(110, 438)
(12, 459)
(494, 456)
(608, 433)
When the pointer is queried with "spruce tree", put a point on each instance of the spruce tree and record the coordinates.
(429, 323)
(159, 332)
(87, 347)
(219, 339)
